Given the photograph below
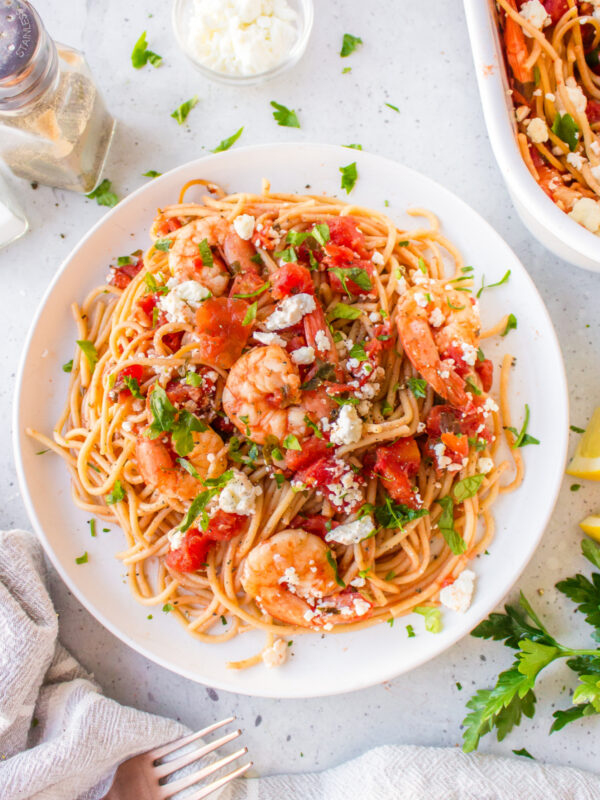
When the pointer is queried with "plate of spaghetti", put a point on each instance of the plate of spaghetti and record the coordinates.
(318, 433)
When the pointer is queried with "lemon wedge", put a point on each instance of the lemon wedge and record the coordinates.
(591, 526)
(586, 461)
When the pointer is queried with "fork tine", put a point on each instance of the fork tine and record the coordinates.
(196, 777)
(169, 767)
(212, 787)
(160, 752)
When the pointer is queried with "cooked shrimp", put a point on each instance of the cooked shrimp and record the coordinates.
(159, 468)
(431, 320)
(291, 578)
(185, 260)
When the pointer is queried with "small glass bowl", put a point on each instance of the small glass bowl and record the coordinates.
(181, 14)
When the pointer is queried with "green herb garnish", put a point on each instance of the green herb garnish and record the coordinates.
(89, 351)
(103, 195)
(349, 44)
(181, 112)
(285, 116)
(140, 55)
(116, 495)
(225, 144)
(349, 177)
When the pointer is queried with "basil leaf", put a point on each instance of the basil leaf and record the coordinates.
(467, 488)
(225, 144)
(291, 442)
(325, 372)
(433, 618)
(116, 495)
(188, 467)
(181, 113)
(566, 129)
(418, 386)
(133, 385)
(394, 108)
(523, 438)
(358, 352)
(89, 351)
(396, 515)
(140, 55)
(197, 505)
(284, 116)
(152, 173)
(287, 256)
(206, 253)
(250, 313)
(163, 412)
(333, 564)
(181, 433)
(163, 244)
(446, 525)
(349, 177)
(358, 276)
(502, 280)
(343, 311)
(193, 379)
(68, 367)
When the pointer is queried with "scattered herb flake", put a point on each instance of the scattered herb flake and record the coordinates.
(349, 44)
(225, 144)
(285, 117)
(349, 177)
(103, 195)
(181, 112)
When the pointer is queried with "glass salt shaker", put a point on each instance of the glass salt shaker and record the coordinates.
(54, 126)
(13, 222)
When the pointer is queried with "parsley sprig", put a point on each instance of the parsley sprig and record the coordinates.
(178, 422)
(503, 706)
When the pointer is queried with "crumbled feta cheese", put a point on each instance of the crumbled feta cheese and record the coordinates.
(537, 130)
(401, 285)
(241, 37)
(310, 615)
(550, 97)
(290, 311)
(328, 626)
(576, 160)
(459, 594)
(576, 96)
(290, 576)
(126, 425)
(535, 13)
(587, 213)
(322, 341)
(175, 538)
(269, 338)
(361, 606)
(421, 427)
(303, 355)
(596, 172)
(377, 258)
(595, 147)
(469, 353)
(490, 405)
(238, 496)
(351, 532)
(276, 654)
(358, 582)
(420, 299)
(522, 113)
(347, 428)
(374, 316)
(436, 318)
(485, 465)
(182, 300)
(244, 226)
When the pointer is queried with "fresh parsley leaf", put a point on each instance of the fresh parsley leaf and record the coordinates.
(418, 386)
(287, 256)
(533, 657)
(349, 177)
(591, 551)
(349, 44)
(291, 442)
(586, 594)
(523, 752)
(103, 195)
(503, 279)
(358, 276)
(117, 494)
(433, 618)
(588, 692)
(357, 352)
(133, 385)
(167, 608)
(225, 144)
(343, 311)
(285, 117)
(472, 385)
(205, 253)
(82, 559)
(522, 437)
(193, 379)
(566, 129)
(181, 432)
(395, 515)
(466, 488)
(68, 367)
(152, 173)
(511, 324)
(163, 244)
(563, 717)
(410, 631)
(446, 525)
(575, 429)
(315, 428)
(181, 112)
(89, 351)
(140, 55)
(250, 313)
(333, 564)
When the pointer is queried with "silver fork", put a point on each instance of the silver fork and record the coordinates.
(141, 776)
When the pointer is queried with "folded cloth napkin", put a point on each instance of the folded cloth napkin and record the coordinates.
(60, 739)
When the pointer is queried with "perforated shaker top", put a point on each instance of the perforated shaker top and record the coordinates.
(19, 34)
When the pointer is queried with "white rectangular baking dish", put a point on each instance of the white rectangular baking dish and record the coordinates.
(551, 226)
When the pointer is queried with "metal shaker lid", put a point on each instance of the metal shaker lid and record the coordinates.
(19, 35)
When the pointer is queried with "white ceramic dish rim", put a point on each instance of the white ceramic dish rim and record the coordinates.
(392, 670)
(493, 87)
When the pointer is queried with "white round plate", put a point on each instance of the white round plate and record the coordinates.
(318, 665)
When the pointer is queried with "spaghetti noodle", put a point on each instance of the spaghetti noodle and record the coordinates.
(284, 405)
(552, 52)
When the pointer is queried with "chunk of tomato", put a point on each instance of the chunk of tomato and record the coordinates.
(340, 257)
(344, 231)
(314, 523)
(396, 464)
(291, 279)
(122, 276)
(485, 370)
(246, 283)
(556, 8)
(193, 398)
(224, 526)
(168, 226)
(220, 330)
(592, 111)
(135, 371)
(312, 449)
(456, 442)
(191, 556)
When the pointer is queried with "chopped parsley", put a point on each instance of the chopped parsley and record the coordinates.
(453, 539)
(92, 524)
(225, 144)
(284, 116)
(82, 559)
(291, 442)
(503, 279)
(103, 195)
(433, 618)
(472, 385)
(511, 324)
(410, 631)
(255, 293)
(287, 256)
(133, 385)
(358, 276)
(193, 379)
(522, 437)
(394, 108)
(116, 495)
(68, 367)
(188, 467)
(349, 177)
(205, 253)
(566, 129)
(167, 608)
(152, 173)
(333, 564)
(250, 313)
(89, 351)
(353, 146)
(167, 419)
(357, 352)
(575, 487)
(140, 55)
(575, 429)
(418, 386)
(163, 244)
(349, 44)
(396, 515)
(343, 311)
(181, 112)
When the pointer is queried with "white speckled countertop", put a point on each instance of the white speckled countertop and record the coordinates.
(415, 56)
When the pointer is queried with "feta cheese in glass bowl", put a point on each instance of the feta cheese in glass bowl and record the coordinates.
(242, 41)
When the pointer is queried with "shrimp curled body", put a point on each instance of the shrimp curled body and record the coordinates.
(432, 319)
